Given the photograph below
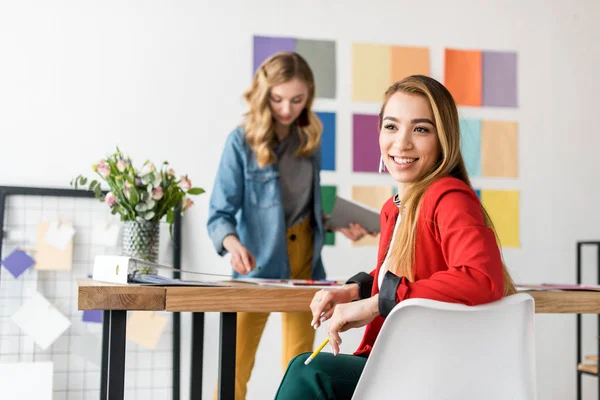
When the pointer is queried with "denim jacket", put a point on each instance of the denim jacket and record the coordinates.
(246, 201)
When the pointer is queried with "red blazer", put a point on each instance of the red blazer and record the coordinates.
(457, 259)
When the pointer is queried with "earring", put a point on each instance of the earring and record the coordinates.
(381, 165)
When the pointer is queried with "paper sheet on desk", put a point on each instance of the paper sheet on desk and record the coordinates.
(290, 283)
(158, 280)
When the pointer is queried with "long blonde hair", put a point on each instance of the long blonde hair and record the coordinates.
(258, 124)
(402, 254)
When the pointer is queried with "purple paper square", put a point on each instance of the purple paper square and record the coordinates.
(499, 87)
(17, 262)
(92, 316)
(266, 46)
(366, 152)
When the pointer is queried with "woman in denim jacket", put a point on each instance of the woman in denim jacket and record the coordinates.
(265, 207)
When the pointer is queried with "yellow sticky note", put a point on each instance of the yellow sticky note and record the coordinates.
(371, 72)
(48, 256)
(503, 208)
(408, 61)
(499, 149)
(374, 197)
(145, 328)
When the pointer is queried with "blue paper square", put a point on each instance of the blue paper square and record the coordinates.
(327, 140)
(17, 262)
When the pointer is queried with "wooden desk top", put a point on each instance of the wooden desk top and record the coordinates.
(253, 298)
(93, 295)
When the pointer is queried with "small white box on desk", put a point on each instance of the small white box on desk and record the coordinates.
(113, 269)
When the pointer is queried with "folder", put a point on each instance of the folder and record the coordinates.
(347, 211)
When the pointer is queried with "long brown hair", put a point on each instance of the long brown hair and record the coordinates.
(258, 124)
(451, 163)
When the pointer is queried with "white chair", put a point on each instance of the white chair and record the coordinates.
(430, 350)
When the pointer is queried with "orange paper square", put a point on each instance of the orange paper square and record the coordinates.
(408, 61)
(463, 76)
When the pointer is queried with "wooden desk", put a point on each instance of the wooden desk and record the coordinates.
(116, 300)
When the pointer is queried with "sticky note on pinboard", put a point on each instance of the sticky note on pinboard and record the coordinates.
(371, 71)
(145, 328)
(503, 208)
(17, 262)
(27, 380)
(366, 152)
(499, 149)
(40, 320)
(48, 256)
(374, 197)
(327, 140)
(463, 76)
(328, 194)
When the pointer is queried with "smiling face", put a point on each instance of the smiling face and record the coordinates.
(408, 137)
(287, 100)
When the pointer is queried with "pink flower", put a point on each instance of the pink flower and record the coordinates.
(157, 193)
(121, 165)
(103, 169)
(185, 183)
(188, 204)
(110, 199)
(127, 190)
(171, 172)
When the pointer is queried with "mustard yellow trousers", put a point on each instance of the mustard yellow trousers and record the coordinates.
(297, 334)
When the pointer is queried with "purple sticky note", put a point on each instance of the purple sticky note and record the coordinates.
(92, 316)
(366, 143)
(17, 262)
(499, 87)
(266, 46)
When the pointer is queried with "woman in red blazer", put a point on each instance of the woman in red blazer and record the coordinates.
(437, 241)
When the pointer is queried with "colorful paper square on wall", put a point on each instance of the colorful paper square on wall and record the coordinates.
(470, 145)
(328, 194)
(462, 76)
(319, 54)
(374, 197)
(370, 71)
(365, 147)
(499, 79)
(503, 208)
(499, 149)
(376, 66)
(328, 120)
(408, 61)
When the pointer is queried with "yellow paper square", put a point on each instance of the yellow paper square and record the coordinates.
(503, 208)
(374, 197)
(48, 257)
(371, 71)
(408, 61)
(499, 149)
(145, 328)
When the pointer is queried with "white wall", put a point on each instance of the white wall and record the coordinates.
(163, 80)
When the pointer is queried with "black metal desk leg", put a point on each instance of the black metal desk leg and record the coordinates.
(227, 356)
(113, 355)
(197, 355)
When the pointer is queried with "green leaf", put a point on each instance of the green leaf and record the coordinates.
(149, 215)
(170, 216)
(150, 204)
(196, 191)
(141, 207)
(134, 197)
(82, 180)
(144, 196)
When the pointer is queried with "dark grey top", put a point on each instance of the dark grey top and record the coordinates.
(295, 179)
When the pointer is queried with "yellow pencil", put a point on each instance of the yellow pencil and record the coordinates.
(314, 354)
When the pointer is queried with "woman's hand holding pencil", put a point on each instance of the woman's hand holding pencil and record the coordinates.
(342, 316)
